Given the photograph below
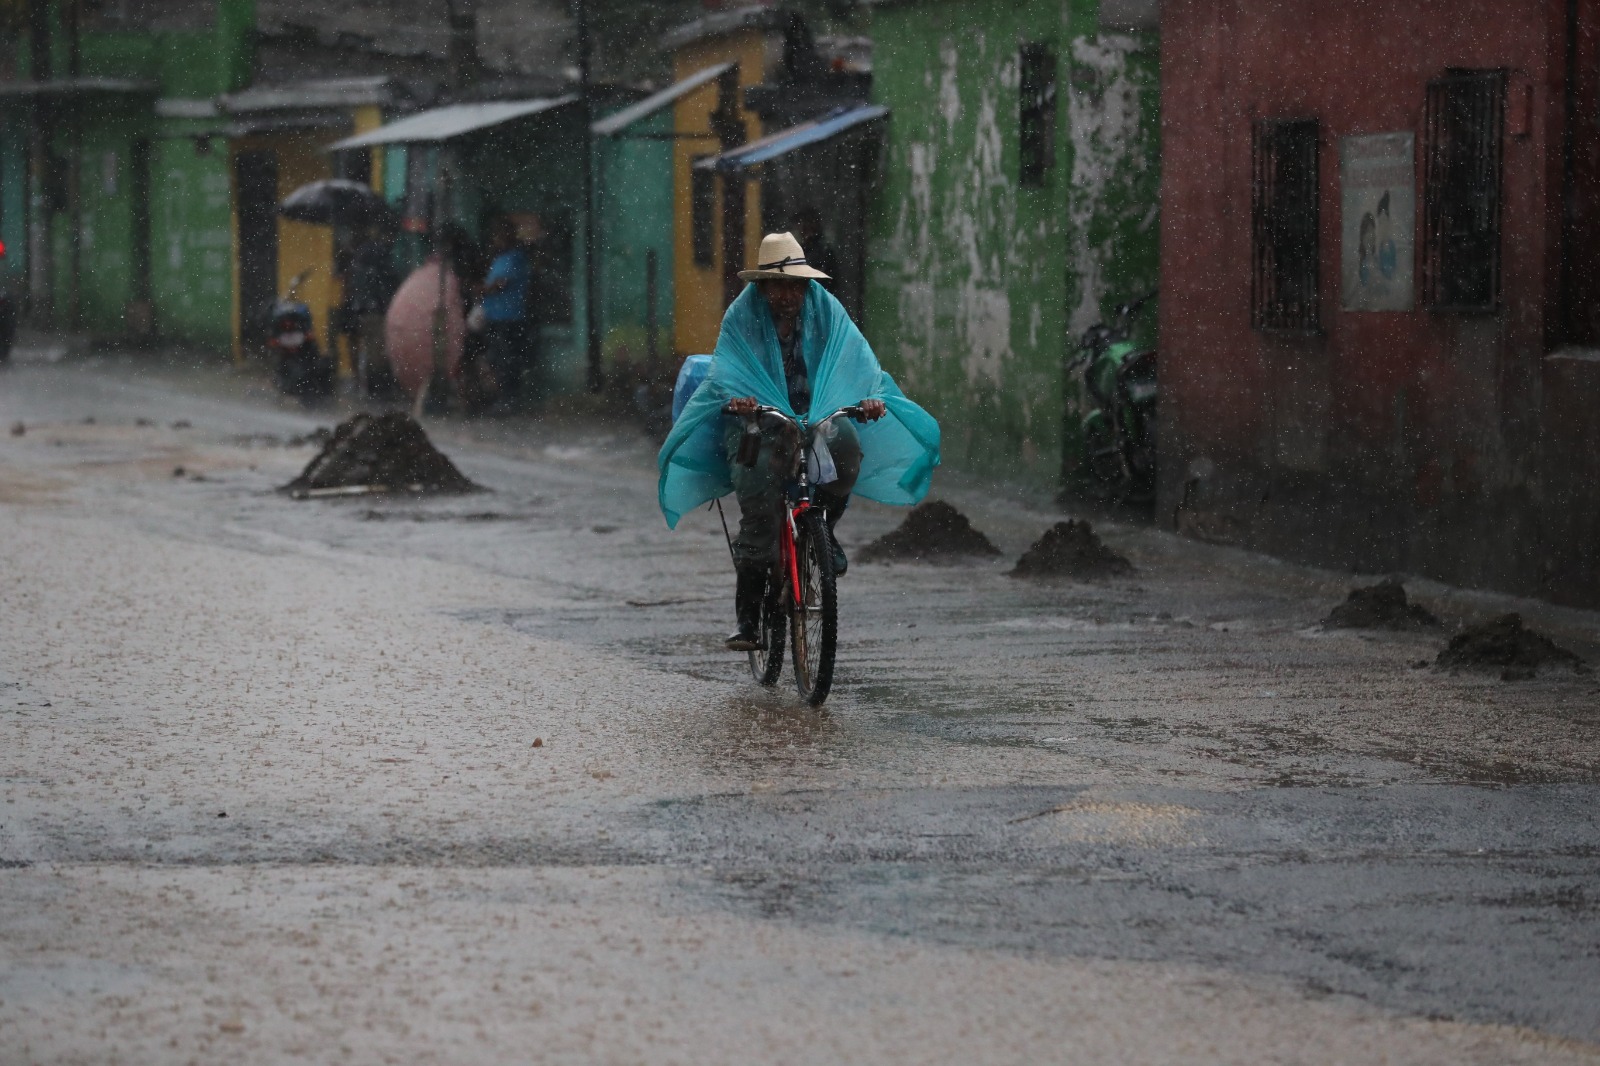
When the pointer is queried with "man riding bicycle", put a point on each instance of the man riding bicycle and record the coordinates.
(787, 343)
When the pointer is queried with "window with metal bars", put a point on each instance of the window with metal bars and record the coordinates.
(1037, 114)
(1461, 193)
(702, 210)
(1285, 215)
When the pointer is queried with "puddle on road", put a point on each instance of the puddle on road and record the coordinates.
(764, 728)
(21, 488)
(1133, 730)
(1496, 772)
(374, 515)
(1100, 822)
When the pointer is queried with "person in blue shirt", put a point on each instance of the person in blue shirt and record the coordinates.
(505, 312)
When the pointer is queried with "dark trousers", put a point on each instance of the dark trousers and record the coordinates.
(759, 488)
(510, 354)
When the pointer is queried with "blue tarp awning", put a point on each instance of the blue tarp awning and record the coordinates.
(785, 141)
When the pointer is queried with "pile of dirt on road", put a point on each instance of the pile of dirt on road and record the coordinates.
(1380, 606)
(1070, 549)
(318, 437)
(933, 532)
(378, 453)
(1505, 644)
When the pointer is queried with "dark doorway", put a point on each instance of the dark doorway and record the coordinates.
(732, 235)
(256, 181)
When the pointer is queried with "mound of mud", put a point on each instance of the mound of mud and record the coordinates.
(1507, 645)
(1380, 606)
(934, 531)
(318, 437)
(378, 453)
(371, 515)
(1070, 549)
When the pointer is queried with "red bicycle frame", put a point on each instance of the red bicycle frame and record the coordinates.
(786, 552)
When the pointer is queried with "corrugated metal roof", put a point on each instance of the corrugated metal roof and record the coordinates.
(785, 141)
(289, 122)
(444, 123)
(512, 36)
(324, 92)
(78, 87)
(612, 125)
(721, 22)
(182, 107)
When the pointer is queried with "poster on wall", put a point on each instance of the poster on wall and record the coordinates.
(1378, 210)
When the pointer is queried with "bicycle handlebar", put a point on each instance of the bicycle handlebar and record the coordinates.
(854, 411)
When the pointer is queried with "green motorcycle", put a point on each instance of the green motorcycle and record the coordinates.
(1119, 431)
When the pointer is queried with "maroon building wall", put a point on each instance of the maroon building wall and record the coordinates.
(1571, 480)
(1390, 440)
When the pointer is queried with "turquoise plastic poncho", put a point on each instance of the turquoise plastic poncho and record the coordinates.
(899, 451)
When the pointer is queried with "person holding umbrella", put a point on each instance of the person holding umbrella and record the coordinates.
(370, 277)
(336, 202)
(373, 283)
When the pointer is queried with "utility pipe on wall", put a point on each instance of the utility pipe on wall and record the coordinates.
(594, 375)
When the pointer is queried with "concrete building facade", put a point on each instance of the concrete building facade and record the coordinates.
(1379, 302)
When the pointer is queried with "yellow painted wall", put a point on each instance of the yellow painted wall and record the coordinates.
(697, 304)
(301, 245)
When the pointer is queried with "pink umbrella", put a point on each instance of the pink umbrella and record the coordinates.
(409, 327)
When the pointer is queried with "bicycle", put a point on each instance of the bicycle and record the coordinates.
(802, 588)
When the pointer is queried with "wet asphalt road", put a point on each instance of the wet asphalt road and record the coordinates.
(1109, 786)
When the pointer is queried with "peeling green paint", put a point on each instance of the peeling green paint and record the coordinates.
(633, 188)
(13, 200)
(977, 285)
(191, 239)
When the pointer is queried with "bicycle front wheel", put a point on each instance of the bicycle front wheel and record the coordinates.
(814, 620)
(766, 662)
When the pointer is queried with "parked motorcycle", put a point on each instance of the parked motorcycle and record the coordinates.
(1119, 431)
(299, 368)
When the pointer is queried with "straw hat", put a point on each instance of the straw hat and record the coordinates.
(781, 257)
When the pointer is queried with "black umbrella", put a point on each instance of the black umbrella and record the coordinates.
(336, 201)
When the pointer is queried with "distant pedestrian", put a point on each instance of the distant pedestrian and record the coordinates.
(535, 240)
(373, 283)
(505, 313)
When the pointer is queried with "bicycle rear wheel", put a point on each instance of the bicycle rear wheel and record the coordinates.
(766, 662)
(814, 621)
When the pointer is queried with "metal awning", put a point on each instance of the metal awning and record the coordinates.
(79, 87)
(323, 92)
(612, 125)
(290, 122)
(785, 141)
(445, 123)
(187, 107)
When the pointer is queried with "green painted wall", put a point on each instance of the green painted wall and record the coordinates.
(190, 62)
(14, 200)
(191, 239)
(531, 166)
(190, 197)
(109, 127)
(977, 286)
(634, 182)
